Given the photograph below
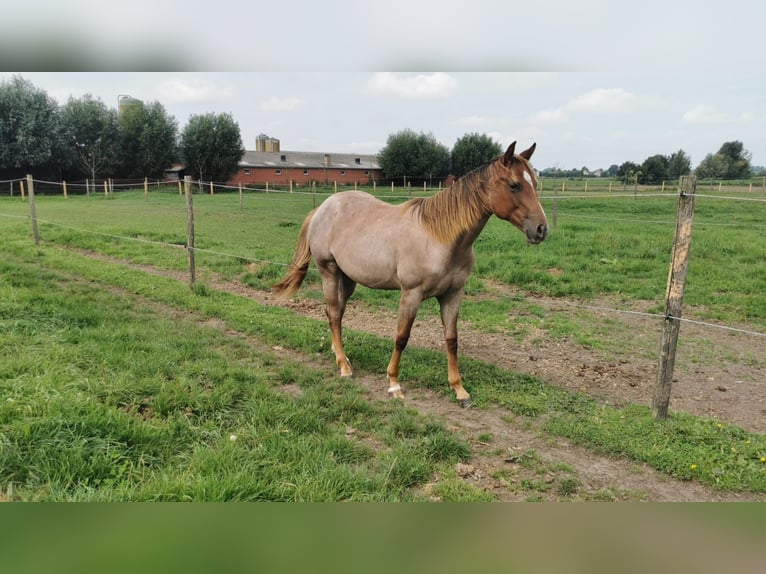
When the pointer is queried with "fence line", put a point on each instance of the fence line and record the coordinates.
(662, 316)
(282, 264)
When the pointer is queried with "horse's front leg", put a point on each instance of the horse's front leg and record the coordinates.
(408, 309)
(449, 304)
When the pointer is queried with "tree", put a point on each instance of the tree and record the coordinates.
(712, 167)
(91, 129)
(148, 140)
(30, 128)
(407, 154)
(736, 160)
(655, 169)
(679, 164)
(471, 151)
(627, 171)
(211, 146)
(732, 161)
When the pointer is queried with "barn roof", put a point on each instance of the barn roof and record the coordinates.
(308, 159)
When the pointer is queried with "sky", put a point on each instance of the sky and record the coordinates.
(593, 83)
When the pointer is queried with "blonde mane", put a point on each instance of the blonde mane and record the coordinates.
(456, 209)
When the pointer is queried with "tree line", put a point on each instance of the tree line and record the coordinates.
(84, 138)
(419, 156)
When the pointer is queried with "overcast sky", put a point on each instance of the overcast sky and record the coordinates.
(593, 82)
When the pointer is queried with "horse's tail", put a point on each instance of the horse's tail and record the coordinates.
(300, 265)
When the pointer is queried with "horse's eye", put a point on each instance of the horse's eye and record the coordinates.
(515, 186)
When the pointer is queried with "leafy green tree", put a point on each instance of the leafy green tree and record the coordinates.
(30, 128)
(713, 166)
(736, 160)
(679, 164)
(148, 140)
(407, 154)
(732, 161)
(471, 151)
(627, 170)
(91, 130)
(211, 145)
(655, 169)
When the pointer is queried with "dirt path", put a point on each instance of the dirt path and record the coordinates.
(511, 456)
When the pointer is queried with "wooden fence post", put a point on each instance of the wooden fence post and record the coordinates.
(63, 185)
(190, 229)
(674, 296)
(33, 208)
(240, 196)
(146, 188)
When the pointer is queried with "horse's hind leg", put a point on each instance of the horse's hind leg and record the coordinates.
(337, 289)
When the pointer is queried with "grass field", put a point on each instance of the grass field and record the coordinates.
(118, 384)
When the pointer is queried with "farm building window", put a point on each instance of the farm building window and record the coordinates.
(247, 171)
(283, 157)
(343, 172)
(366, 172)
(279, 171)
(305, 172)
(358, 160)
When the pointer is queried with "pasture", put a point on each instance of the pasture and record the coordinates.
(121, 383)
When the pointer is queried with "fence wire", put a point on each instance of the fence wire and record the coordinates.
(310, 193)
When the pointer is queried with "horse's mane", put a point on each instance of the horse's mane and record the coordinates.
(456, 209)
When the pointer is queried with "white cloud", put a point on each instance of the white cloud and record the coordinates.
(598, 101)
(193, 91)
(421, 86)
(703, 114)
(275, 104)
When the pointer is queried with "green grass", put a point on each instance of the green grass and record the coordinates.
(106, 398)
(114, 388)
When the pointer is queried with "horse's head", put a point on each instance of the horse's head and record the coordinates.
(513, 194)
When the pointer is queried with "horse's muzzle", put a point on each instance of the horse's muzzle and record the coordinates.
(537, 234)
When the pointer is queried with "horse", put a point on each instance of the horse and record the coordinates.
(422, 247)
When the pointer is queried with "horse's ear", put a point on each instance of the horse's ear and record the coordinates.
(508, 156)
(527, 153)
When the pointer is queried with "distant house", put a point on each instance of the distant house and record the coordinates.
(175, 172)
(303, 168)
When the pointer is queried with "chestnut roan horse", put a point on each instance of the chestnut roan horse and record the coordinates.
(422, 247)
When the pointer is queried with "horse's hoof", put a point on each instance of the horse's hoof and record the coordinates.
(466, 403)
(396, 392)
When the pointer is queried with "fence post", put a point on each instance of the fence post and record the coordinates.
(63, 185)
(674, 296)
(190, 229)
(146, 188)
(21, 188)
(240, 196)
(556, 205)
(33, 208)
